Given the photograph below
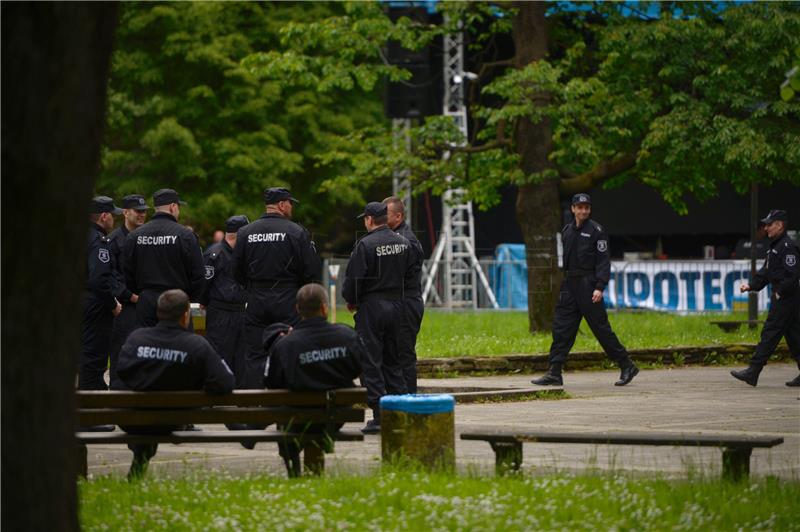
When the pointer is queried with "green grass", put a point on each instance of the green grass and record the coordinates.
(417, 501)
(486, 333)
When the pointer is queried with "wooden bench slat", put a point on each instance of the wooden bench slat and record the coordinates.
(233, 436)
(217, 415)
(621, 438)
(196, 399)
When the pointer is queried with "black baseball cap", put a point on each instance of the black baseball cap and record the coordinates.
(581, 197)
(165, 196)
(276, 194)
(101, 204)
(234, 223)
(373, 208)
(135, 202)
(775, 215)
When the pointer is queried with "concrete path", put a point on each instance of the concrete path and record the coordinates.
(697, 399)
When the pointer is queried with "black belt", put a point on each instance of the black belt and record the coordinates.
(390, 295)
(225, 305)
(579, 273)
(273, 284)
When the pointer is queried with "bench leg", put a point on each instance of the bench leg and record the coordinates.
(736, 463)
(83, 465)
(313, 459)
(507, 456)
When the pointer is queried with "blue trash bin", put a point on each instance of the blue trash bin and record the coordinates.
(419, 428)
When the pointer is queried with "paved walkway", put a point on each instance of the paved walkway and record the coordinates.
(698, 399)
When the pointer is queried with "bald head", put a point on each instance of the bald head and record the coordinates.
(312, 301)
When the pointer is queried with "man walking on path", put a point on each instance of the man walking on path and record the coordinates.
(587, 269)
(782, 271)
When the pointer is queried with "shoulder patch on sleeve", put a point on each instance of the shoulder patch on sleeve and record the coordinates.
(103, 255)
(791, 259)
(602, 245)
(209, 272)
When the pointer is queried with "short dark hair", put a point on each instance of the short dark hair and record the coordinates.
(310, 299)
(397, 202)
(380, 220)
(172, 304)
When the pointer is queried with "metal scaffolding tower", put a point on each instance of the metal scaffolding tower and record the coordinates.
(455, 251)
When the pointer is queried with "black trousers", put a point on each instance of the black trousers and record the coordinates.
(96, 343)
(146, 315)
(413, 310)
(378, 324)
(124, 324)
(225, 332)
(574, 303)
(266, 306)
(783, 320)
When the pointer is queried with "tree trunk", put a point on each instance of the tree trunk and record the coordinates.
(55, 64)
(538, 206)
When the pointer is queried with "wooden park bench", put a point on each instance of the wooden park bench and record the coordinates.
(733, 325)
(294, 409)
(736, 450)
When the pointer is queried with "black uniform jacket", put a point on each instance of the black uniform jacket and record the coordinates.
(220, 284)
(780, 268)
(414, 279)
(168, 357)
(585, 251)
(117, 240)
(100, 267)
(274, 249)
(380, 265)
(162, 255)
(315, 355)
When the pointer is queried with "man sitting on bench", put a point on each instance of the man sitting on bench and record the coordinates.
(167, 357)
(313, 356)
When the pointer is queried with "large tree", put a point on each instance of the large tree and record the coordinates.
(679, 95)
(55, 62)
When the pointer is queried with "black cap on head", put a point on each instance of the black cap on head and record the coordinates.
(101, 204)
(165, 196)
(135, 202)
(373, 208)
(581, 197)
(276, 194)
(775, 215)
(234, 223)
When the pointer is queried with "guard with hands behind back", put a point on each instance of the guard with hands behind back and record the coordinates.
(374, 285)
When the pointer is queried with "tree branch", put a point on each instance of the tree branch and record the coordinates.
(483, 147)
(572, 183)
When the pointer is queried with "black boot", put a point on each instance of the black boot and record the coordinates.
(748, 375)
(627, 374)
(551, 378)
(794, 382)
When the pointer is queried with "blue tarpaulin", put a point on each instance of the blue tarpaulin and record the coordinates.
(509, 276)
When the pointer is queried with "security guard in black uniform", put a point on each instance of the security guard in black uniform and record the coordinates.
(272, 259)
(134, 211)
(374, 284)
(782, 271)
(162, 255)
(167, 357)
(99, 304)
(225, 301)
(315, 355)
(587, 269)
(413, 306)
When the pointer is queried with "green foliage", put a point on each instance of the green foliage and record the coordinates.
(690, 94)
(409, 500)
(185, 112)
